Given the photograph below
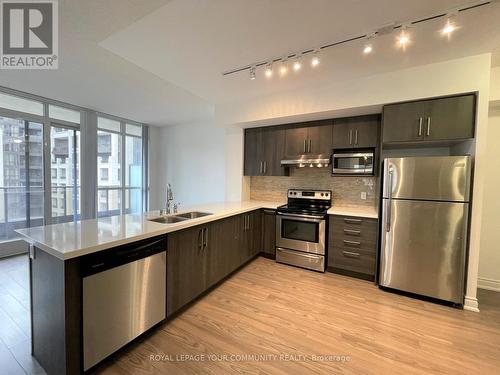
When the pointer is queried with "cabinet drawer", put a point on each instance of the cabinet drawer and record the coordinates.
(352, 243)
(356, 231)
(355, 260)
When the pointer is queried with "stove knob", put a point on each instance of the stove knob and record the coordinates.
(322, 194)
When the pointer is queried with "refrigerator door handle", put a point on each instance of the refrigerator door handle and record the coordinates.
(389, 203)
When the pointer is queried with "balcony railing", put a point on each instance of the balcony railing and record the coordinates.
(22, 207)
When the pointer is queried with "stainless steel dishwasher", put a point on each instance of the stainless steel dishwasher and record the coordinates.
(124, 294)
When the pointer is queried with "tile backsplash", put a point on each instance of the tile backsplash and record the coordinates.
(346, 190)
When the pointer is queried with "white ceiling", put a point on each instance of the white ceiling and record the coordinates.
(160, 61)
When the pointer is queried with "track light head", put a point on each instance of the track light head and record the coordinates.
(252, 73)
(315, 59)
(403, 39)
(269, 70)
(450, 25)
(297, 64)
(368, 48)
(283, 67)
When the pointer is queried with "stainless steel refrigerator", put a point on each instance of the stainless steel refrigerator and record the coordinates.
(425, 209)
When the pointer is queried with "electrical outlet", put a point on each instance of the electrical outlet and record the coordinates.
(363, 195)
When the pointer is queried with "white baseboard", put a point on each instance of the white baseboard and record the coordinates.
(489, 284)
(471, 304)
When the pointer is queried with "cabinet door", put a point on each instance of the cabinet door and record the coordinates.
(342, 134)
(273, 151)
(253, 152)
(251, 235)
(365, 130)
(320, 138)
(295, 141)
(186, 268)
(403, 122)
(221, 250)
(269, 232)
(255, 230)
(450, 118)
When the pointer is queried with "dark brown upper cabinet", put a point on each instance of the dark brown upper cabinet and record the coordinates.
(442, 119)
(356, 132)
(312, 138)
(264, 150)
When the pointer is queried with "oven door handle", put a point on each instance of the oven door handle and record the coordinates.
(312, 218)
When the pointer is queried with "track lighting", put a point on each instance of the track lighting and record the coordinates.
(252, 73)
(403, 41)
(269, 70)
(403, 38)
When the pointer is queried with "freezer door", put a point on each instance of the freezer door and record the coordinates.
(440, 178)
(423, 248)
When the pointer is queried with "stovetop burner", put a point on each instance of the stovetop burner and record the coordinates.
(307, 202)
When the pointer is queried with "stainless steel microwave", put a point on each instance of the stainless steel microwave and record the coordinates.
(353, 162)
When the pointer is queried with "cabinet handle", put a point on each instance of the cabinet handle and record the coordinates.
(428, 126)
(310, 146)
(352, 221)
(356, 137)
(200, 239)
(265, 167)
(350, 137)
(420, 121)
(305, 146)
(352, 232)
(350, 254)
(352, 243)
(205, 237)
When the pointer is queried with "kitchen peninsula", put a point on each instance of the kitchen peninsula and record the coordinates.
(172, 263)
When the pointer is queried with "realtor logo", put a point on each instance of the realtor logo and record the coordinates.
(29, 34)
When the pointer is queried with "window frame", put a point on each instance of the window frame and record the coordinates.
(123, 188)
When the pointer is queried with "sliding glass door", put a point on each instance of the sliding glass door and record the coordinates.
(21, 176)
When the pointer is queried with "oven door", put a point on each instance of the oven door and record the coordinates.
(354, 163)
(301, 232)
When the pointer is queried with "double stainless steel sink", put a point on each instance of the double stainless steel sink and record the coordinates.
(171, 219)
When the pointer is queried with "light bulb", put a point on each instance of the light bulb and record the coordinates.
(269, 71)
(368, 49)
(297, 65)
(403, 39)
(283, 69)
(315, 61)
(449, 27)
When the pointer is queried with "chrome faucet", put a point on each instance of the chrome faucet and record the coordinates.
(170, 198)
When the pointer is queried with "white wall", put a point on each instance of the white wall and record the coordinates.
(192, 159)
(450, 77)
(489, 258)
(495, 84)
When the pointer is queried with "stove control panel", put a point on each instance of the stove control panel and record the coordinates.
(310, 194)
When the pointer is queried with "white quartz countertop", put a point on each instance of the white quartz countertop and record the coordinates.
(359, 211)
(71, 240)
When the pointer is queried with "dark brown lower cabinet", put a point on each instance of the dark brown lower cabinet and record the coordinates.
(186, 267)
(268, 247)
(200, 257)
(352, 245)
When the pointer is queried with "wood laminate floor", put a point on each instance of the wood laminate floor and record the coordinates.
(15, 347)
(274, 310)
